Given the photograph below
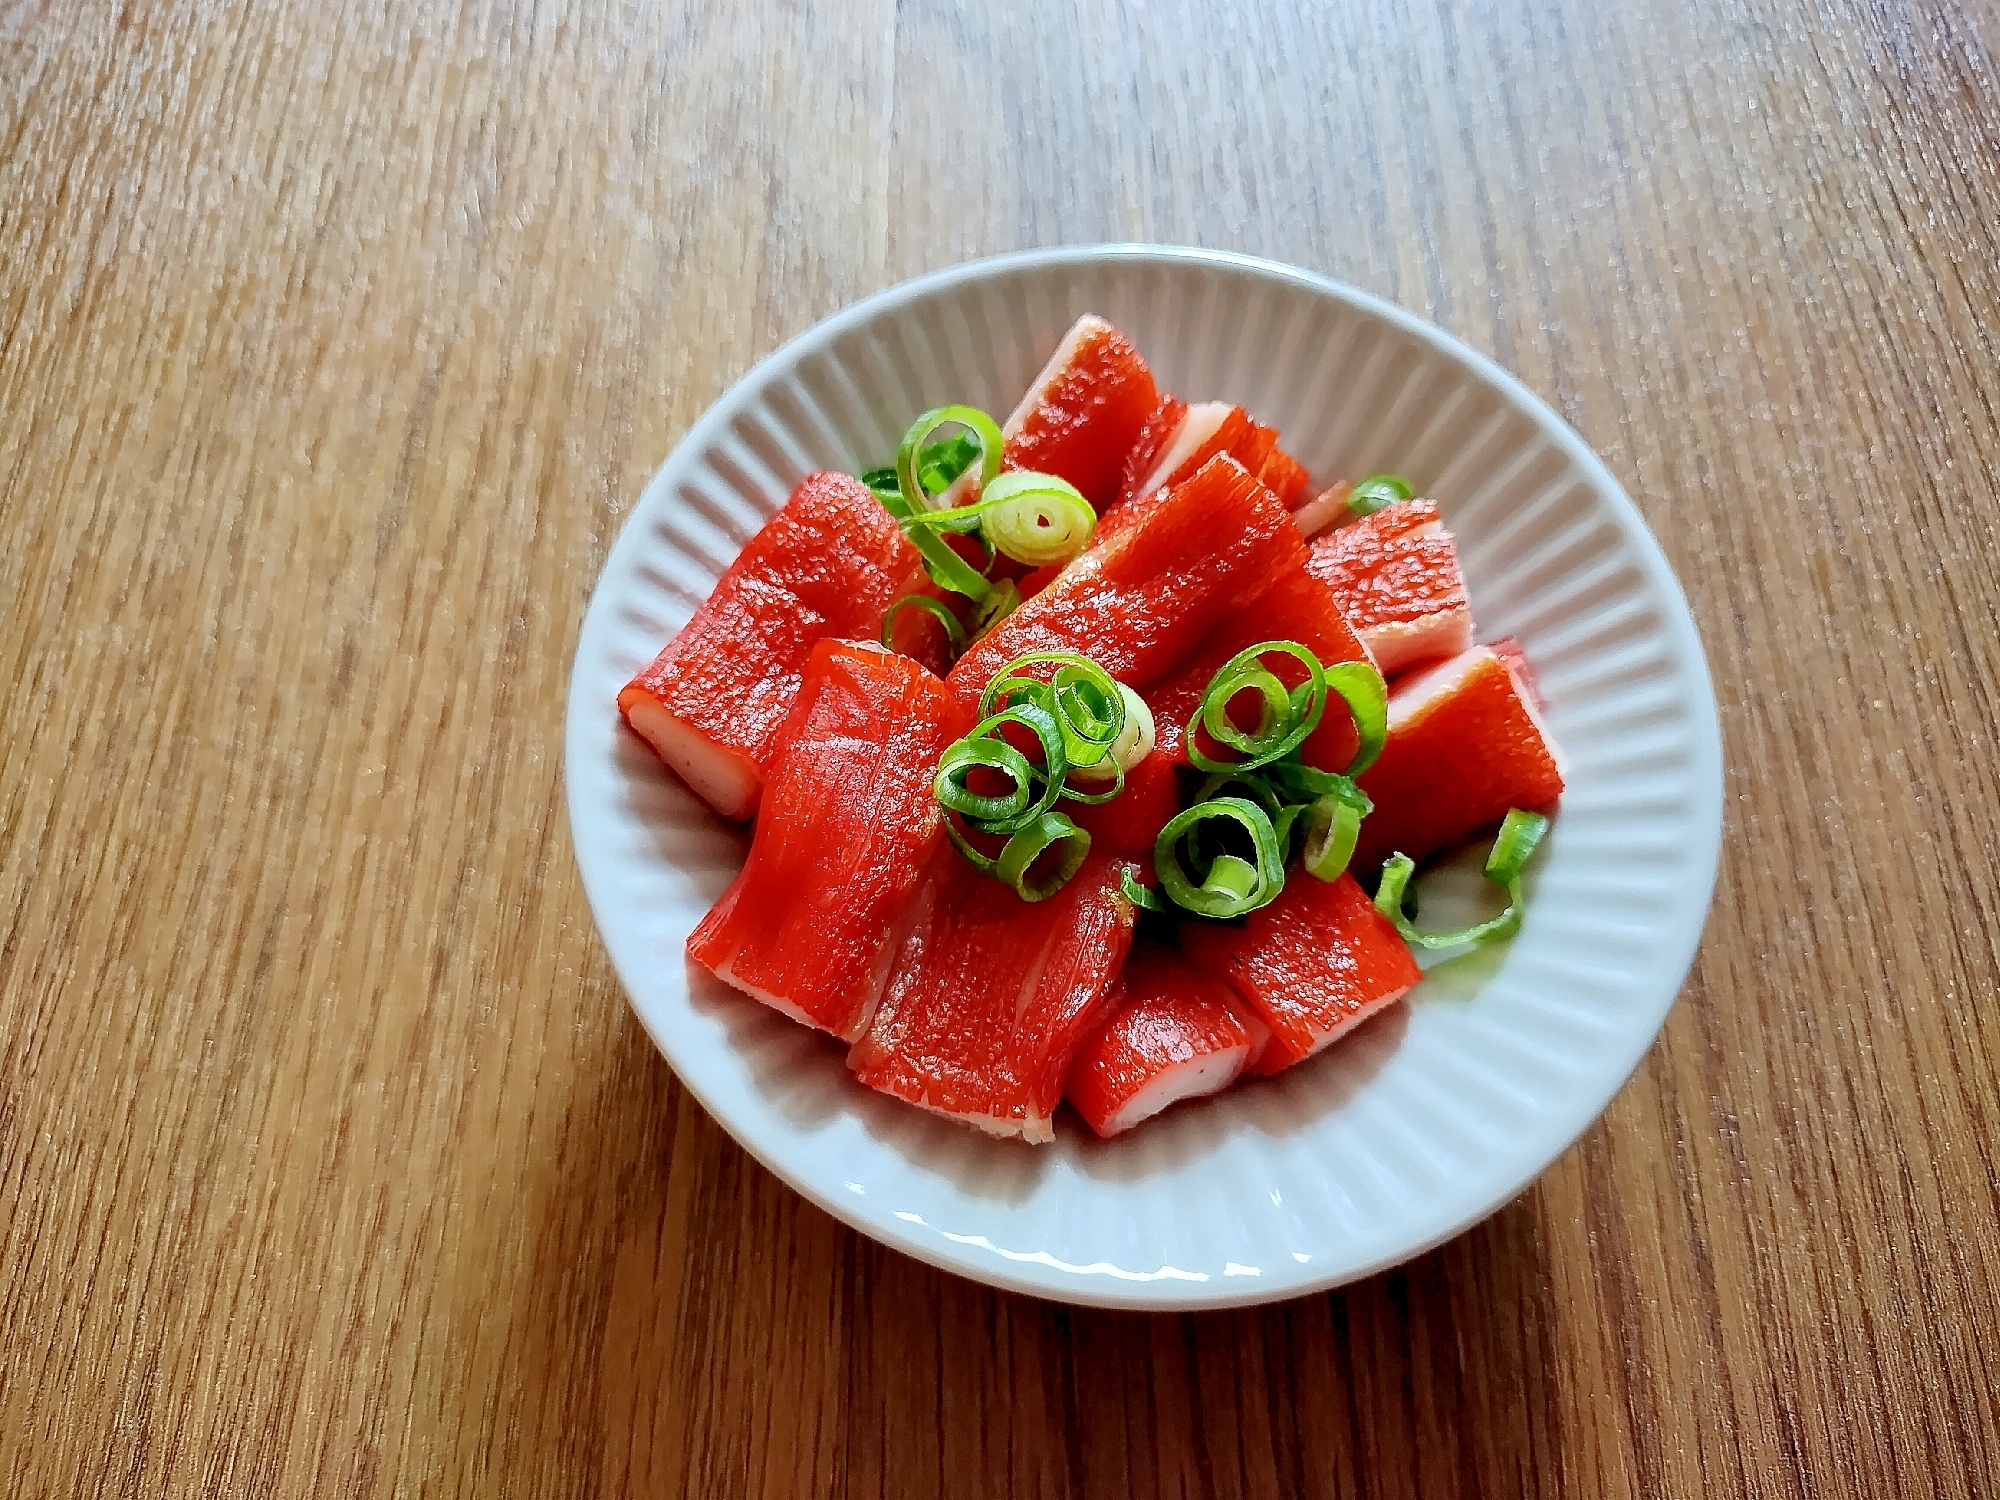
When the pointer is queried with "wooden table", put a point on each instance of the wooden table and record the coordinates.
(336, 342)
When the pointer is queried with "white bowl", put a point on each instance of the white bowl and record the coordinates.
(1391, 1142)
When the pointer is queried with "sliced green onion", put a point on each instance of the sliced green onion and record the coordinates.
(1333, 826)
(1286, 718)
(1001, 600)
(983, 752)
(883, 483)
(1377, 493)
(954, 633)
(1249, 785)
(947, 569)
(940, 463)
(1139, 895)
(1103, 791)
(979, 426)
(913, 500)
(1080, 694)
(1519, 834)
(1133, 744)
(1361, 688)
(1036, 519)
(1228, 885)
(1028, 845)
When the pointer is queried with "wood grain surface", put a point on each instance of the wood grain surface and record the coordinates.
(337, 340)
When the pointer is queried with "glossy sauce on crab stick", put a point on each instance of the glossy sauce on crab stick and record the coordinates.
(1173, 1034)
(1142, 602)
(990, 995)
(1314, 964)
(1465, 745)
(712, 702)
(847, 826)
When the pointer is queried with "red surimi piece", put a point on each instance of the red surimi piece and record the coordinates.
(1142, 602)
(1285, 477)
(847, 824)
(712, 703)
(1083, 411)
(1174, 1034)
(1314, 964)
(1510, 650)
(1130, 822)
(1465, 745)
(1298, 607)
(1396, 577)
(990, 995)
(1206, 429)
(1161, 426)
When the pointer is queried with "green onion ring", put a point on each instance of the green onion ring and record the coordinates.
(1377, 493)
(1001, 601)
(1333, 826)
(908, 452)
(1287, 720)
(1080, 694)
(1137, 894)
(1030, 843)
(1519, 834)
(1133, 744)
(1224, 890)
(985, 864)
(1042, 724)
(1360, 686)
(1036, 519)
(954, 633)
(983, 751)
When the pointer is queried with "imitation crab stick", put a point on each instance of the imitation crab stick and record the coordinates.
(711, 703)
(1141, 603)
(1081, 415)
(1205, 429)
(1314, 964)
(1130, 822)
(1285, 477)
(1298, 607)
(990, 995)
(847, 825)
(1465, 745)
(1173, 1034)
(1395, 574)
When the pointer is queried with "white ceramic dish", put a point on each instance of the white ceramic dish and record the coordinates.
(1424, 1122)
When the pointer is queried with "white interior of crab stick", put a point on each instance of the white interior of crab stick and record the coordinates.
(1418, 693)
(1197, 427)
(1193, 1079)
(723, 778)
(1083, 328)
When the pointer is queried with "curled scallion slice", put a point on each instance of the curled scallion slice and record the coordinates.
(1036, 519)
(1139, 895)
(1377, 493)
(1080, 695)
(1519, 834)
(1133, 744)
(954, 633)
(1222, 883)
(1018, 859)
(1333, 827)
(909, 479)
(1285, 717)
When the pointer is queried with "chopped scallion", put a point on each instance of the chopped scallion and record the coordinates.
(1519, 834)
(1377, 493)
